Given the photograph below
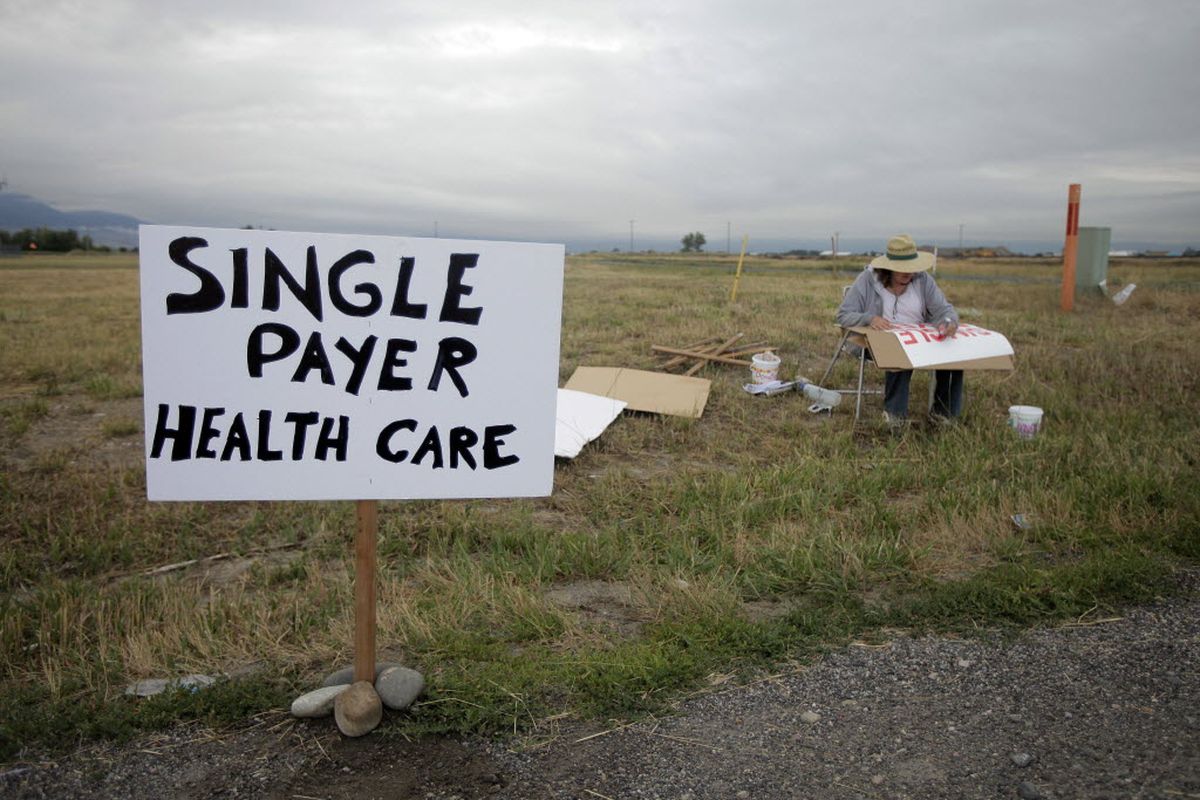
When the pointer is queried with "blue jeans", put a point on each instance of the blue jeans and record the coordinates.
(947, 392)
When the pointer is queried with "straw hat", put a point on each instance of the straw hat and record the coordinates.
(902, 256)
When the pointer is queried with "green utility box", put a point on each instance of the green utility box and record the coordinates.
(1091, 262)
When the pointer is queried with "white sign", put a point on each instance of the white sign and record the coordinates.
(922, 346)
(304, 366)
(926, 347)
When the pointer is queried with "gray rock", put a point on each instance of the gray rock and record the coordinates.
(147, 688)
(345, 675)
(317, 703)
(1027, 791)
(195, 682)
(357, 710)
(810, 717)
(152, 686)
(398, 687)
(1022, 759)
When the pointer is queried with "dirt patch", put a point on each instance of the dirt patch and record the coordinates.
(391, 767)
(765, 610)
(609, 605)
(278, 758)
(86, 432)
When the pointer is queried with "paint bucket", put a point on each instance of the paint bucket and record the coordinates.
(1025, 420)
(764, 368)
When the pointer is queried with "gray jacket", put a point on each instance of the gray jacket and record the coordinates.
(862, 302)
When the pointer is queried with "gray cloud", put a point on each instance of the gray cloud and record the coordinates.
(564, 120)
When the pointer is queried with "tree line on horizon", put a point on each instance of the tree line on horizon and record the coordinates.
(51, 240)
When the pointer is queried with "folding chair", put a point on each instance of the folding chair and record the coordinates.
(850, 337)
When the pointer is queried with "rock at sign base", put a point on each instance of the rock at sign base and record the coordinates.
(345, 675)
(398, 687)
(358, 710)
(317, 703)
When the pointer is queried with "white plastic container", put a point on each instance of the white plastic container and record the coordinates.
(1025, 420)
(1123, 295)
(764, 368)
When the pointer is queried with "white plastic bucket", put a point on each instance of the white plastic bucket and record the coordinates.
(1025, 420)
(764, 368)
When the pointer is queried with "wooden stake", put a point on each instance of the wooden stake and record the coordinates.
(756, 347)
(675, 362)
(364, 589)
(741, 362)
(721, 348)
(738, 276)
(1070, 248)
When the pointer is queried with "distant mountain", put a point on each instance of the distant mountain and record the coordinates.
(19, 211)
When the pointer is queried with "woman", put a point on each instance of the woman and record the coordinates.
(896, 289)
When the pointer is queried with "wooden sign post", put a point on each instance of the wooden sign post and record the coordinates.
(1070, 248)
(365, 538)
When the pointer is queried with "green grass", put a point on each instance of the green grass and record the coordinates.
(755, 536)
(19, 416)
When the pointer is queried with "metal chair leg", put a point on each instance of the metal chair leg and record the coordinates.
(836, 354)
(862, 363)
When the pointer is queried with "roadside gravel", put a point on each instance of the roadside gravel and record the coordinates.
(1103, 710)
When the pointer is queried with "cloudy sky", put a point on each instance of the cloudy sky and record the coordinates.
(556, 120)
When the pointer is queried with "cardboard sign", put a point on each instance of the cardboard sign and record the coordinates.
(655, 392)
(305, 366)
(922, 347)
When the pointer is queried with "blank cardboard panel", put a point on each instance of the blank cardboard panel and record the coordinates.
(653, 392)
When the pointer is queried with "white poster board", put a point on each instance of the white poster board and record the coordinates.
(582, 417)
(306, 366)
(922, 347)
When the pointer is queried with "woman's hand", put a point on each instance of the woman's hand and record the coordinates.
(880, 324)
(946, 328)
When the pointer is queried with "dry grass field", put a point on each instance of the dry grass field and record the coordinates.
(673, 554)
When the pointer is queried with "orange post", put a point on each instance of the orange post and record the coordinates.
(364, 590)
(1070, 248)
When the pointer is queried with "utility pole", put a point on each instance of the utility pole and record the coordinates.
(960, 239)
(631, 236)
(727, 232)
